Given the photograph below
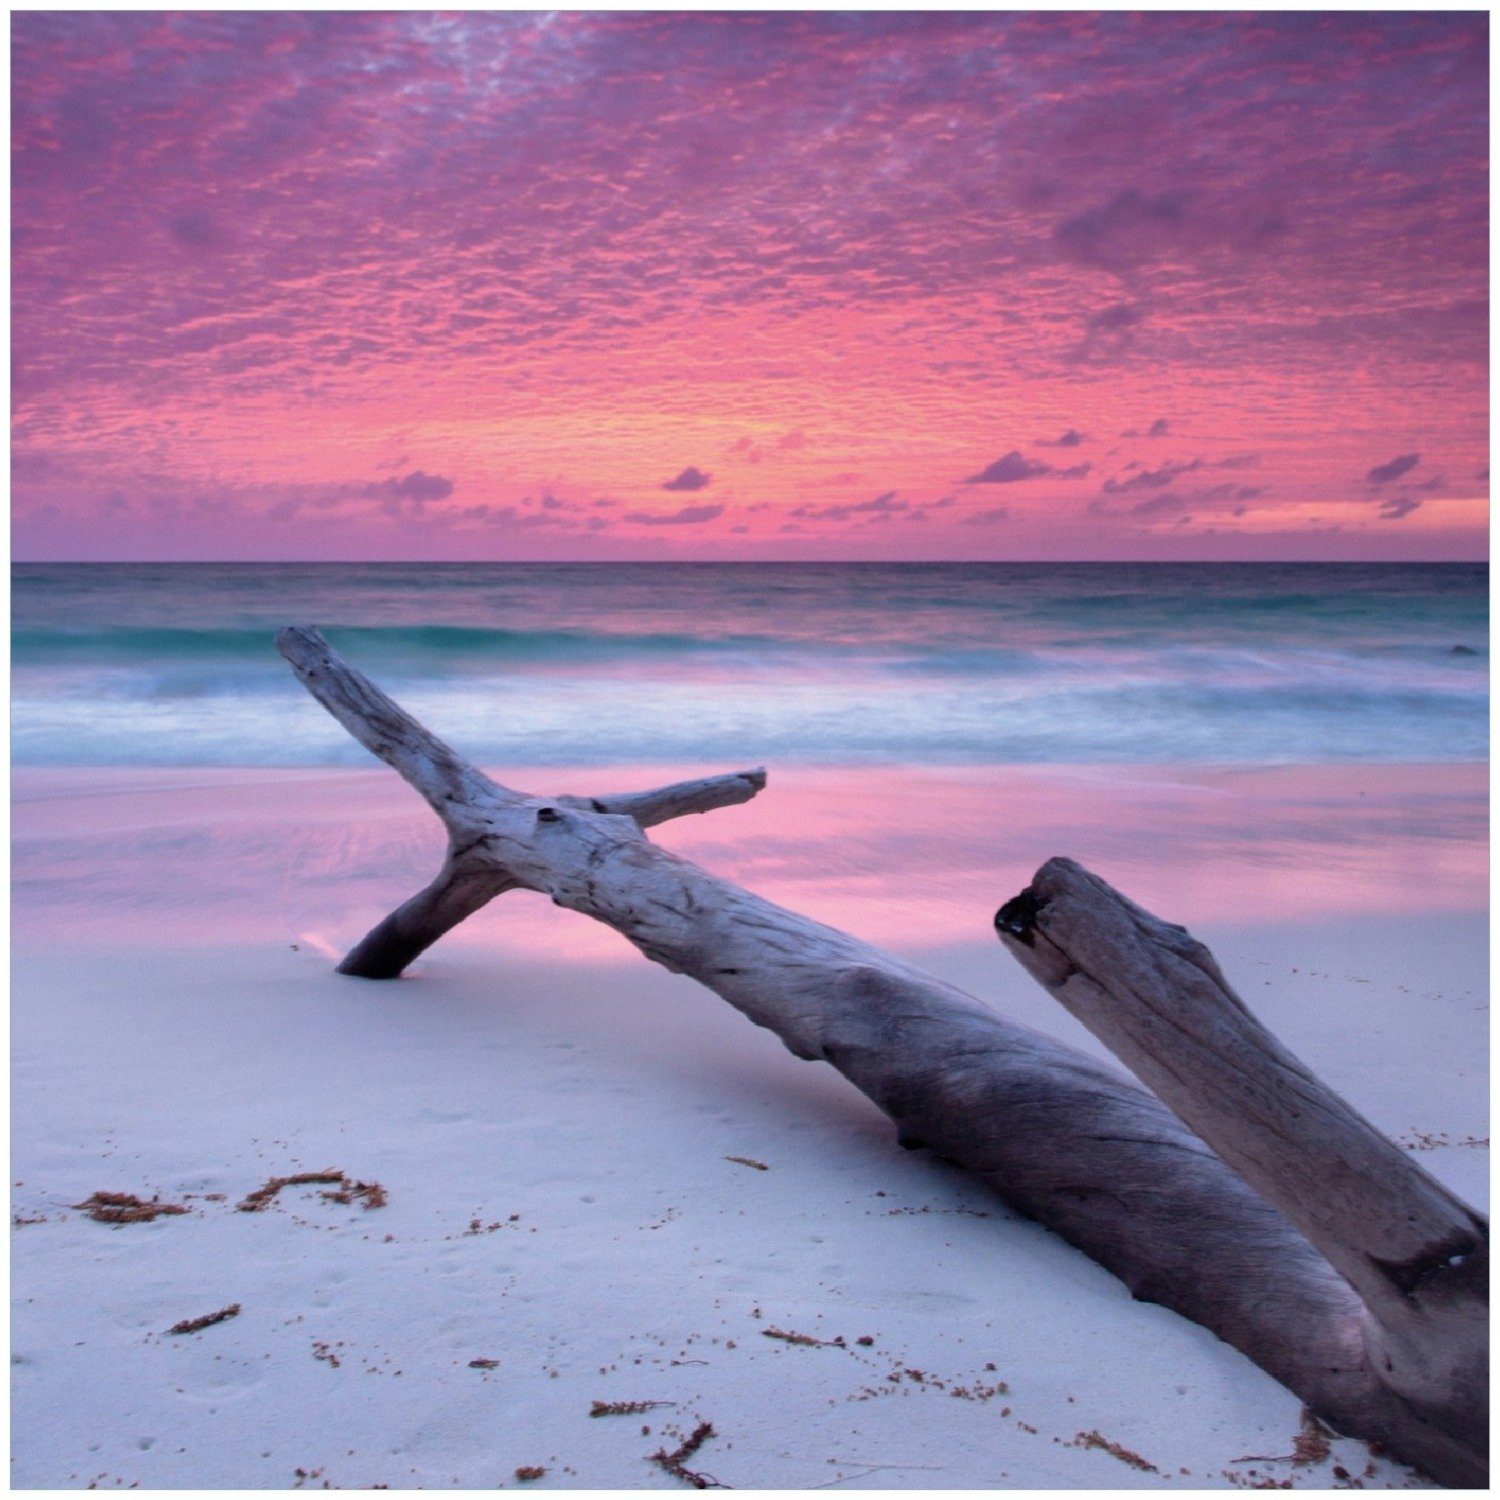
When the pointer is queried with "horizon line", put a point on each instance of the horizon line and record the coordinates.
(742, 562)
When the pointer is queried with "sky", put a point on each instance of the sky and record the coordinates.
(799, 285)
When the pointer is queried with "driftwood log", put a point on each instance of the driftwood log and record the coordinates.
(1308, 1242)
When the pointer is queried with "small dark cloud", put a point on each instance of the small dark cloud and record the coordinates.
(1384, 473)
(988, 517)
(691, 478)
(1008, 470)
(1110, 332)
(884, 505)
(689, 515)
(1483, 474)
(415, 489)
(1158, 505)
(1114, 318)
(1070, 439)
(198, 231)
(1134, 228)
(1154, 505)
(1150, 479)
(1159, 428)
(1078, 471)
(410, 492)
(1396, 507)
(1128, 228)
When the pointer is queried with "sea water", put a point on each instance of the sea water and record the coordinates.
(832, 663)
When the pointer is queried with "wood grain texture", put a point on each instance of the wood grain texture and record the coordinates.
(1415, 1253)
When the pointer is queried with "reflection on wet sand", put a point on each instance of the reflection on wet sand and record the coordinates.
(902, 857)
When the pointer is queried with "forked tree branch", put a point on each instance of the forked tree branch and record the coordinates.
(1064, 1139)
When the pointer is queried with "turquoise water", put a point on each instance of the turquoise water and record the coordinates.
(173, 664)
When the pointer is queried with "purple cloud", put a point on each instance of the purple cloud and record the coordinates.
(690, 479)
(1133, 228)
(1158, 505)
(1384, 473)
(885, 504)
(415, 489)
(1396, 507)
(689, 515)
(1151, 479)
(1009, 470)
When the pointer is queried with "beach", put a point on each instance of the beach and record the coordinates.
(601, 1185)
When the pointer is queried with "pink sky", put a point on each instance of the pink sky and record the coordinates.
(300, 285)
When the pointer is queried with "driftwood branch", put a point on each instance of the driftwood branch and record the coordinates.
(675, 801)
(1417, 1256)
(444, 778)
(1063, 1138)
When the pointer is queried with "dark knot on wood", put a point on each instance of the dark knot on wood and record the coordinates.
(1017, 918)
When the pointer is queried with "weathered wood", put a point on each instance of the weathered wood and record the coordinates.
(677, 800)
(1416, 1254)
(1063, 1138)
(468, 881)
(461, 888)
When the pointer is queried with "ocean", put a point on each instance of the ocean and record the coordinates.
(811, 663)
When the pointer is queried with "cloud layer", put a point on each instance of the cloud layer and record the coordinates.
(471, 258)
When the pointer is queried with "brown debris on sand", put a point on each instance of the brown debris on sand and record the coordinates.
(675, 1462)
(625, 1408)
(345, 1190)
(1310, 1446)
(1115, 1450)
(263, 1196)
(749, 1161)
(527, 1472)
(805, 1339)
(373, 1194)
(126, 1208)
(196, 1325)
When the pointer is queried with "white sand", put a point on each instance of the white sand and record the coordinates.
(178, 1030)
